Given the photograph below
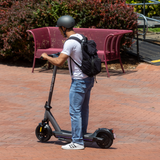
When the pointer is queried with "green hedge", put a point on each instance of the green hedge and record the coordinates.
(22, 15)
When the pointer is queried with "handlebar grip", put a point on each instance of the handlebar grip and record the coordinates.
(52, 55)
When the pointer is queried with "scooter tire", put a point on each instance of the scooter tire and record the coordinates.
(107, 141)
(43, 134)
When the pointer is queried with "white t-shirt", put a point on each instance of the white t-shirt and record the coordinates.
(73, 49)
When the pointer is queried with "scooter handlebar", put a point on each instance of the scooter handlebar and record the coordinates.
(52, 55)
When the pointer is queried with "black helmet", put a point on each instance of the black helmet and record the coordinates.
(66, 21)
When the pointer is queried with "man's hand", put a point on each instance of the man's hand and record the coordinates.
(45, 56)
(58, 61)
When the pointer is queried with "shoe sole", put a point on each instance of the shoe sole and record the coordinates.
(72, 148)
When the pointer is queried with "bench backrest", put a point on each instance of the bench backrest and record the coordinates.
(50, 37)
(41, 38)
(98, 35)
(57, 39)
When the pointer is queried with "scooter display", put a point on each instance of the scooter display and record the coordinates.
(103, 137)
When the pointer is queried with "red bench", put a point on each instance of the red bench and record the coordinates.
(50, 40)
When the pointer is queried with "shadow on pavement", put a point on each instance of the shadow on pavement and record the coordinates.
(87, 144)
(102, 74)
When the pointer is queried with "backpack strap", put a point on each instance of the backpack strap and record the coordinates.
(81, 42)
(75, 38)
(78, 40)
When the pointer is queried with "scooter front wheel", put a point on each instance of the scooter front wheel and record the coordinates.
(107, 141)
(43, 132)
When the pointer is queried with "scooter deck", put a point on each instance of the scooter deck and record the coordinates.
(67, 135)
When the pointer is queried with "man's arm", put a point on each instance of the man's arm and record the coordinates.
(58, 61)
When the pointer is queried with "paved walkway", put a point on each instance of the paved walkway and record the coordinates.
(129, 103)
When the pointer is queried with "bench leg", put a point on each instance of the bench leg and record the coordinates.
(121, 65)
(107, 69)
(34, 61)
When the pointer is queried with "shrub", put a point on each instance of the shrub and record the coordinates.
(22, 15)
(118, 15)
(81, 11)
(3, 7)
(48, 13)
(16, 17)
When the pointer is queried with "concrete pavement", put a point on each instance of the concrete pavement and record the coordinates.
(129, 103)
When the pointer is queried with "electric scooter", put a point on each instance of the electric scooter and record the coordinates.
(103, 137)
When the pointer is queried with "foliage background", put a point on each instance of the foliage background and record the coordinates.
(17, 16)
(150, 10)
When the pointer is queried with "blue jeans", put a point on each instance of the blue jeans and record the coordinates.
(79, 107)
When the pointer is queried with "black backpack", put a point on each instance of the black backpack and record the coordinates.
(91, 63)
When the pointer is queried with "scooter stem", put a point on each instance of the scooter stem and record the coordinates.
(52, 86)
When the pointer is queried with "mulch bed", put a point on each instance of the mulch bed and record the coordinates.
(129, 62)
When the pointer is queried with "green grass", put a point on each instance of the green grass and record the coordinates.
(154, 29)
(151, 29)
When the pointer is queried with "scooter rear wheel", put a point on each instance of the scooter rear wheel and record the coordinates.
(107, 141)
(43, 133)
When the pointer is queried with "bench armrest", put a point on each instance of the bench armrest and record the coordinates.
(41, 37)
(112, 41)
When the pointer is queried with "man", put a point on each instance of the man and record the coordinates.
(81, 84)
